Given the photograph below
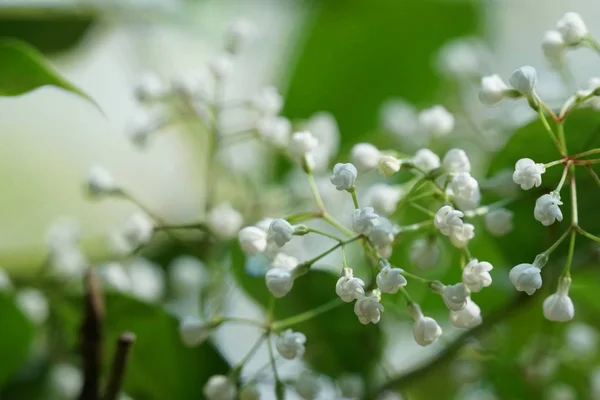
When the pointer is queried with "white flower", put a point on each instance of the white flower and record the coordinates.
(186, 275)
(290, 344)
(467, 318)
(224, 221)
(68, 262)
(465, 190)
(425, 329)
(238, 34)
(280, 232)
(368, 309)
(279, 281)
(436, 121)
(351, 386)
(147, 280)
(64, 232)
(344, 176)
(388, 165)
(447, 219)
(307, 386)
(426, 160)
(363, 220)
(382, 233)
(193, 331)
(553, 46)
(476, 275)
(303, 143)
(456, 161)
(100, 182)
(528, 173)
(462, 58)
(365, 156)
(33, 304)
(268, 101)
(581, 340)
(253, 240)
(559, 306)
(348, 287)
(249, 392)
(219, 387)
(398, 117)
(114, 277)
(66, 381)
(424, 253)
(383, 198)
(526, 277)
(499, 222)
(221, 67)
(460, 236)
(572, 28)
(546, 209)
(390, 279)
(275, 130)
(324, 127)
(493, 90)
(455, 296)
(136, 232)
(150, 87)
(141, 126)
(523, 80)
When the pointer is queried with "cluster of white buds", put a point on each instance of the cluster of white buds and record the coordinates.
(449, 222)
(137, 231)
(570, 31)
(65, 258)
(224, 221)
(389, 280)
(368, 308)
(383, 198)
(435, 121)
(365, 156)
(290, 344)
(302, 144)
(493, 89)
(426, 160)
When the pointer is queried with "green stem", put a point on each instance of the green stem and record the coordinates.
(558, 242)
(315, 192)
(236, 371)
(592, 44)
(302, 216)
(586, 162)
(563, 178)
(307, 315)
(334, 222)
(329, 235)
(585, 153)
(422, 209)
(415, 227)
(588, 235)
(561, 136)
(574, 208)
(567, 271)
(241, 320)
(553, 163)
(307, 264)
(548, 129)
(479, 211)
(196, 225)
(354, 198)
(405, 295)
(416, 277)
(594, 175)
(278, 383)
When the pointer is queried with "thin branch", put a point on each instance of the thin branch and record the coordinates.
(119, 365)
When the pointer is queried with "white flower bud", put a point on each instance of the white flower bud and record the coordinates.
(279, 281)
(467, 318)
(344, 176)
(147, 280)
(351, 386)
(221, 67)
(100, 182)
(141, 126)
(476, 275)
(66, 381)
(390, 279)
(493, 90)
(553, 46)
(193, 331)
(63, 233)
(436, 121)
(284, 261)
(280, 232)
(365, 156)
(368, 309)
(186, 275)
(268, 101)
(33, 304)
(303, 143)
(136, 232)
(249, 392)
(526, 278)
(462, 58)
(546, 209)
(382, 234)
(523, 80)
(456, 161)
(398, 117)
(363, 220)
(290, 344)
(224, 221)
(68, 262)
(348, 287)
(238, 34)
(324, 127)
(448, 219)
(528, 173)
(388, 165)
(424, 253)
(383, 198)
(114, 277)
(253, 240)
(425, 329)
(464, 190)
(460, 236)
(150, 87)
(275, 130)
(572, 28)
(426, 160)
(219, 387)
(455, 296)
(559, 306)
(499, 222)
(307, 386)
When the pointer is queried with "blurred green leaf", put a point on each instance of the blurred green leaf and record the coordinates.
(160, 366)
(24, 69)
(337, 342)
(15, 338)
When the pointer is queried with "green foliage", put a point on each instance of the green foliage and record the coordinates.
(15, 341)
(24, 69)
(336, 341)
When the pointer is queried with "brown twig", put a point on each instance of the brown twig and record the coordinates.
(117, 371)
(91, 337)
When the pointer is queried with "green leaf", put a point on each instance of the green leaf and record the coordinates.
(160, 366)
(24, 69)
(337, 342)
(16, 337)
